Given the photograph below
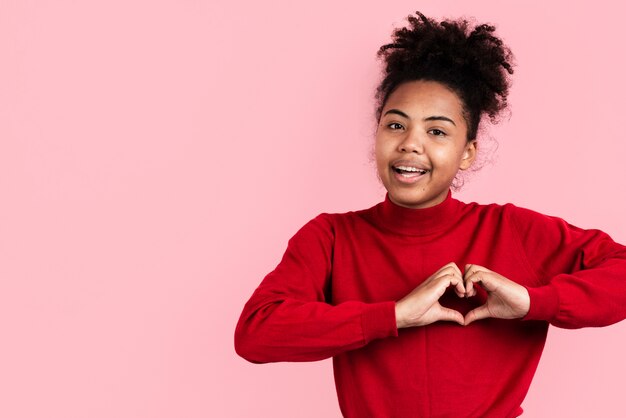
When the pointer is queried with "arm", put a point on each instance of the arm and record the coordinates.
(582, 273)
(288, 317)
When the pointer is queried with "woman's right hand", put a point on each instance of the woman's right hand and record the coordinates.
(421, 306)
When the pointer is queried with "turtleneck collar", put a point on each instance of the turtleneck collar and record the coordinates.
(407, 221)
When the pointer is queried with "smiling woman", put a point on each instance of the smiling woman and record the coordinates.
(421, 143)
(424, 301)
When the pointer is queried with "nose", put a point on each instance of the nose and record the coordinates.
(412, 142)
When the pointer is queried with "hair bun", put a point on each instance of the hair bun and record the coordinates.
(471, 60)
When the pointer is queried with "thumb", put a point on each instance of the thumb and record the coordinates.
(479, 313)
(447, 314)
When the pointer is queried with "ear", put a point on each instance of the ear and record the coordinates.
(469, 155)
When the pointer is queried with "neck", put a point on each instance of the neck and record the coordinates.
(407, 221)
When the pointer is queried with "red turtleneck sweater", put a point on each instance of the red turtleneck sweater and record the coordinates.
(334, 292)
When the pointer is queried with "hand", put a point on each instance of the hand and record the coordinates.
(421, 306)
(505, 298)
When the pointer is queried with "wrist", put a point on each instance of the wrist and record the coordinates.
(400, 322)
(526, 303)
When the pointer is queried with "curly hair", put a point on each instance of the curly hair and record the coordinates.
(473, 62)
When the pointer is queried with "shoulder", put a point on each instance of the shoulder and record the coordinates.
(512, 213)
(338, 219)
(537, 230)
(331, 224)
(529, 221)
(525, 225)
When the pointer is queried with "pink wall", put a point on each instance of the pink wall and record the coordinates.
(156, 156)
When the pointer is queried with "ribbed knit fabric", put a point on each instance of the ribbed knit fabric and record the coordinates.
(334, 292)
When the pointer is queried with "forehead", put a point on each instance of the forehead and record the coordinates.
(419, 98)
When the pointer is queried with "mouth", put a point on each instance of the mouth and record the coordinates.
(408, 173)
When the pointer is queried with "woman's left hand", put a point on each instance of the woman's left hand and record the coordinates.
(505, 298)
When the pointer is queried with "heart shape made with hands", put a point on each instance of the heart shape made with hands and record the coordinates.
(506, 299)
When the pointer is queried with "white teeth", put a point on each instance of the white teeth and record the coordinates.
(414, 169)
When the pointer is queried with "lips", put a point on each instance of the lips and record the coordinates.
(409, 172)
(410, 164)
(405, 169)
(409, 169)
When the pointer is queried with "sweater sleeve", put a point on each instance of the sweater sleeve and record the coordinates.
(289, 317)
(581, 273)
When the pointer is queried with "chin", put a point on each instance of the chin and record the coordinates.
(417, 200)
(407, 200)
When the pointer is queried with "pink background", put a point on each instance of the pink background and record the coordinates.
(156, 156)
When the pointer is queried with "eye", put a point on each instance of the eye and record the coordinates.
(395, 126)
(437, 132)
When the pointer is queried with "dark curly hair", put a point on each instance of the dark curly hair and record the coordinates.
(473, 62)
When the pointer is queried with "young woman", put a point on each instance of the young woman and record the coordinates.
(428, 305)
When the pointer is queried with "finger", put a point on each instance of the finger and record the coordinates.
(459, 289)
(470, 278)
(488, 280)
(454, 278)
(446, 280)
(468, 267)
(456, 268)
(469, 286)
(475, 267)
(457, 281)
(471, 269)
(451, 267)
(479, 313)
(447, 314)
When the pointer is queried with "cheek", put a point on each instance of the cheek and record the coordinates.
(445, 156)
(379, 152)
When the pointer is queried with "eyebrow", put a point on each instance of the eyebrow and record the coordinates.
(429, 118)
(397, 112)
(444, 118)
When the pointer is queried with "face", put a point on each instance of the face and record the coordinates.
(421, 143)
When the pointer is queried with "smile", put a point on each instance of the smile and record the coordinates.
(407, 174)
(409, 170)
